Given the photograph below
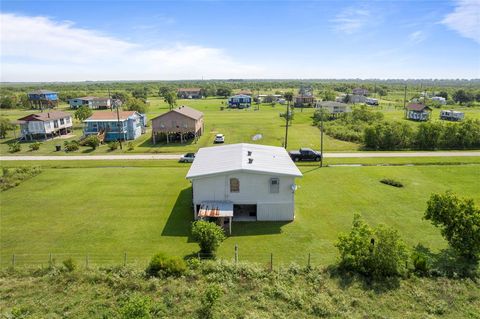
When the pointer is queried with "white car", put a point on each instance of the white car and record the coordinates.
(187, 158)
(219, 138)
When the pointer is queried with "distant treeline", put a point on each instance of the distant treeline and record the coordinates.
(370, 129)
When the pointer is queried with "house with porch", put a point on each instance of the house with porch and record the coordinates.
(92, 102)
(41, 99)
(243, 182)
(45, 125)
(334, 107)
(189, 93)
(183, 122)
(128, 125)
(240, 101)
(304, 100)
(417, 112)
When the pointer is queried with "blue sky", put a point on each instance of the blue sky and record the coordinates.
(166, 40)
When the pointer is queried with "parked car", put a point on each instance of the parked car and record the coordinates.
(187, 158)
(305, 154)
(219, 138)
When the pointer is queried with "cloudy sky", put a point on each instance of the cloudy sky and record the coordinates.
(167, 40)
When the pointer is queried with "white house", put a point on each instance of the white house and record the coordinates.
(333, 107)
(243, 182)
(44, 125)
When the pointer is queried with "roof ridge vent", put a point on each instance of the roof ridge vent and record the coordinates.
(250, 160)
(249, 153)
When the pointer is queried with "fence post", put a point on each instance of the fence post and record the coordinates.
(124, 258)
(308, 260)
(271, 261)
(236, 254)
(13, 261)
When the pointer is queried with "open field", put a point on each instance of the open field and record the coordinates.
(106, 211)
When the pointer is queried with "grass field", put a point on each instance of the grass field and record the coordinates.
(239, 126)
(106, 211)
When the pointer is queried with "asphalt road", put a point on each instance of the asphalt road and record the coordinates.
(177, 156)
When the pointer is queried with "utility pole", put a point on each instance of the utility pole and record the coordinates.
(114, 103)
(286, 126)
(321, 135)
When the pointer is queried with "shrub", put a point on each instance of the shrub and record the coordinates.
(130, 146)
(163, 266)
(12, 177)
(113, 145)
(71, 146)
(14, 147)
(34, 146)
(70, 264)
(375, 251)
(208, 235)
(459, 221)
(92, 141)
(391, 182)
(209, 301)
(421, 263)
(136, 307)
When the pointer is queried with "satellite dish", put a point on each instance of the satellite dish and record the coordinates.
(294, 187)
(257, 137)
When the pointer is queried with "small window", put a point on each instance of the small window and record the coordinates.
(274, 185)
(234, 185)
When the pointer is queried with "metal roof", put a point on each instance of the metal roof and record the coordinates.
(244, 157)
(110, 116)
(184, 110)
(42, 92)
(46, 116)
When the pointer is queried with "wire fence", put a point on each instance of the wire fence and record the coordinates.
(268, 260)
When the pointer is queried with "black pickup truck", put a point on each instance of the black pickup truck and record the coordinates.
(305, 154)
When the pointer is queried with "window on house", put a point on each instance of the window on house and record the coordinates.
(62, 121)
(234, 185)
(274, 185)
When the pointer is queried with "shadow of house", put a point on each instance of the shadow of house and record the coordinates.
(181, 217)
(257, 228)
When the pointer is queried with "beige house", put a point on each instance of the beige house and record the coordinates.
(180, 124)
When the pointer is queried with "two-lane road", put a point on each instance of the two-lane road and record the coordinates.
(177, 156)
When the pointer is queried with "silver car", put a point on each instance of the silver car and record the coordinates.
(187, 158)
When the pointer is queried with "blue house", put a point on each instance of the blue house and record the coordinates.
(129, 125)
(43, 98)
(239, 101)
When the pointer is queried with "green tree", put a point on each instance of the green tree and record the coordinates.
(23, 102)
(83, 113)
(5, 126)
(288, 96)
(92, 141)
(140, 93)
(328, 95)
(164, 90)
(171, 99)
(375, 251)
(461, 96)
(428, 135)
(122, 96)
(443, 94)
(224, 91)
(458, 220)
(208, 235)
(137, 105)
(7, 102)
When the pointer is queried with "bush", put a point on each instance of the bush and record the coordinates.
(130, 146)
(163, 266)
(209, 301)
(112, 146)
(92, 141)
(136, 307)
(70, 264)
(34, 146)
(71, 146)
(14, 147)
(459, 222)
(208, 235)
(12, 177)
(391, 182)
(378, 251)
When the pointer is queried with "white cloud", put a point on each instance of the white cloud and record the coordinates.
(40, 49)
(465, 19)
(417, 37)
(351, 20)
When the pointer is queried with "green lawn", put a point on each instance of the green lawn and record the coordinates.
(106, 211)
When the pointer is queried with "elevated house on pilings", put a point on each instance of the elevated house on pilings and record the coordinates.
(42, 99)
(45, 125)
(180, 124)
(108, 126)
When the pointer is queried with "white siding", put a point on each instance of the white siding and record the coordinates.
(275, 211)
(254, 189)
